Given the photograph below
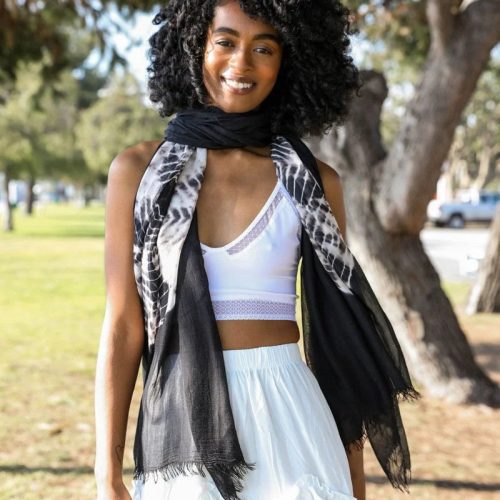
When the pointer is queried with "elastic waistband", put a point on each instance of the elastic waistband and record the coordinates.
(262, 357)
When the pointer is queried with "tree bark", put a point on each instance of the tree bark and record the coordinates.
(8, 224)
(487, 168)
(485, 294)
(30, 195)
(386, 197)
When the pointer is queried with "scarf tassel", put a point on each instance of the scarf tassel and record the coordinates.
(397, 466)
(228, 477)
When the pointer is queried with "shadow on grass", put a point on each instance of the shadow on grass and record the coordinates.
(60, 221)
(490, 353)
(99, 217)
(445, 484)
(57, 471)
(68, 234)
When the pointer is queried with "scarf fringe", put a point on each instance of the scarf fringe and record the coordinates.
(232, 474)
(402, 476)
(400, 480)
(409, 394)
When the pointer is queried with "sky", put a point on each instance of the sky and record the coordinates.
(139, 30)
(142, 29)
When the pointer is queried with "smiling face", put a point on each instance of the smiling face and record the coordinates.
(241, 61)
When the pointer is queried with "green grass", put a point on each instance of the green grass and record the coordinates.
(51, 305)
(51, 310)
(457, 291)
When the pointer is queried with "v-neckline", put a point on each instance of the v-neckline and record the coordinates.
(249, 227)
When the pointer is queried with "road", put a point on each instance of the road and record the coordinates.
(449, 249)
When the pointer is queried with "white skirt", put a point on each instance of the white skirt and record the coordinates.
(284, 426)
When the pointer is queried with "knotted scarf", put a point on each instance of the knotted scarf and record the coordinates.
(185, 422)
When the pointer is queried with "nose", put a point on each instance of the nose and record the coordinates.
(240, 59)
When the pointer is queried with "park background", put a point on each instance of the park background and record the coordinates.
(73, 95)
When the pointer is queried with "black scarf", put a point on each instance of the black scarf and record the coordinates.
(216, 129)
(185, 421)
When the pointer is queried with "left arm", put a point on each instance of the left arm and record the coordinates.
(333, 193)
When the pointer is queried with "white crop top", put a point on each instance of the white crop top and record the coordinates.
(253, 276)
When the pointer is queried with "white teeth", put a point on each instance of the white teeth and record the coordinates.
(238, 85)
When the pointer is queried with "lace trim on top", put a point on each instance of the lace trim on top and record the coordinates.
(256, 226)
(253, 309)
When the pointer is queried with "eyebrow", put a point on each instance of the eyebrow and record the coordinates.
(260, 36)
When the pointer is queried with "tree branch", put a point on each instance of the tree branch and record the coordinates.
(358, 144)
(413, 164)
(363, 144)
(441, 20)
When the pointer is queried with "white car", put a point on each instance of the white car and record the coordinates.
(456, 213)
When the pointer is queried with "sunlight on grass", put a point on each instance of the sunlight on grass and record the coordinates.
(59, 220)
(51, 276)
(457, 292)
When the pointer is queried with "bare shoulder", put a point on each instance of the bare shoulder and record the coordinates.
(328, 174)
(129, 165)
(332, 187)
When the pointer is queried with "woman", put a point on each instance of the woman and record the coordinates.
(234, 61)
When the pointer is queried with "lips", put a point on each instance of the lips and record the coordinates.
(238, 79)
(243, 87)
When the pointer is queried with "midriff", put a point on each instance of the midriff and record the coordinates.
(246, 334)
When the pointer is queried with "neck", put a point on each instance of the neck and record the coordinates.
(260, 151)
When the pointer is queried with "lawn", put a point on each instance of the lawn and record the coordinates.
(51, 309)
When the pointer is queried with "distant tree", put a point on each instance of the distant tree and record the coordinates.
(37, 131)
(475, 153)
(117, 120)
(485, 293)
(51, 34)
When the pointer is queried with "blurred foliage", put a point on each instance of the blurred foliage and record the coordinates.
(397, 32)
(122, 105)
(479, 130)
(475, 154)
(42, 30)
(37, 126)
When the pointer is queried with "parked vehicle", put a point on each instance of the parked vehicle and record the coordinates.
(456, 214)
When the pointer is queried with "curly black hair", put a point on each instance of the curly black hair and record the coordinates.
(317, 76)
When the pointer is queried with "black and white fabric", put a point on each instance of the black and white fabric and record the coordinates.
(185, 420)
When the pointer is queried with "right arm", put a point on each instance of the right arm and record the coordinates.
(122, 334)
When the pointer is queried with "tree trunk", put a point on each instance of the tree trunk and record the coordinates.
(409, 289)
(8, 224)
(486, 168)
(437, 350)
(87, 195)
(386, 196)
(30, 195)
(485, 294)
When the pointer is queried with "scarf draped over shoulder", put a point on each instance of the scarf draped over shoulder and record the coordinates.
(185, 422)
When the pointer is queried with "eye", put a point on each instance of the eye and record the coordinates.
(229, 43)
(224, 43)
(264, 50)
